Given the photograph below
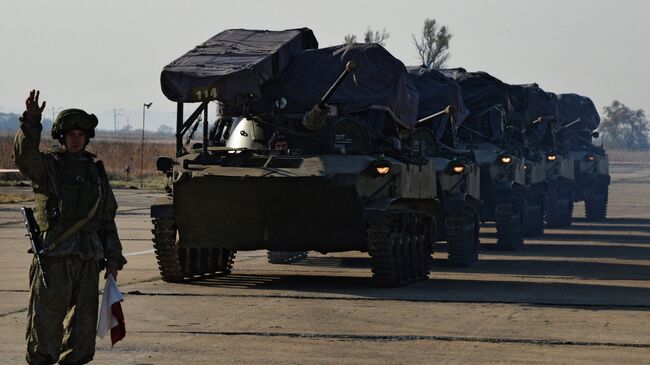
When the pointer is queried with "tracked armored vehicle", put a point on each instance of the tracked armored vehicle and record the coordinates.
(548, 170)
(559, 166)
(579, 120)
(442, 112)
(485, 132)
(528, 124)
(346, 178)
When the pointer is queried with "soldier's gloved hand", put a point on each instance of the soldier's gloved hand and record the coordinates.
(111, 270)
(31, 104)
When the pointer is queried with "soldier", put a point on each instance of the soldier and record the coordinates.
(75, 209)
(127, 171)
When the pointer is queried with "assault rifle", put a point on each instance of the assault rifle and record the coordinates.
(34, 234)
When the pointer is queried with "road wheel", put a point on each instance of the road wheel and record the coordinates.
(509, 224)
(534, 218)
(566, 209)
(462, 237)
(166, 249)
(558, 208)
(596, 204)
(285, 257)
(199, 261)
(176, 263)
(398, 249)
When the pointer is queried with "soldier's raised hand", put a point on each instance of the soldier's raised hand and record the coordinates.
(31, 104)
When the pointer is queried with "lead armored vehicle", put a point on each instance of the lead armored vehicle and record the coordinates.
(442, 111)
(579, 120)
(486, 133)
(345, 176)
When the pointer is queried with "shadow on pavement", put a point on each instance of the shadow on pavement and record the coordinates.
(622, 220)
(611, 228)
(585, 237)
(548, 268)
(441, 290)
(529, 265)
(522, 277)
(574, 250)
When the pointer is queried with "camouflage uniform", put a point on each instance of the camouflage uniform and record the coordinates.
(62, 319)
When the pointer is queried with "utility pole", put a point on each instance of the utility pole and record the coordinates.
(114, 120)
(145, 106)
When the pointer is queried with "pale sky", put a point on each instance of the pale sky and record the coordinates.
(100, 55)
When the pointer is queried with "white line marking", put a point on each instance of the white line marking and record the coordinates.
(139, 253)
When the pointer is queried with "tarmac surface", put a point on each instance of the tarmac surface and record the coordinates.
(574, 296)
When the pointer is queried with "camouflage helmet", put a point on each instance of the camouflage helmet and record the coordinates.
(71, 119)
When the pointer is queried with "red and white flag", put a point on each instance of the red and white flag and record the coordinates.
(111, 317)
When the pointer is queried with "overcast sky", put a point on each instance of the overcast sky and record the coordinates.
(100, 55)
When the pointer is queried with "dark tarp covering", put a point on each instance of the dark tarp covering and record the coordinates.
(382, 82)
(574, 106)
(487, 98)
(536, 108)
(233, 64)
(436, 93)
(481, 91)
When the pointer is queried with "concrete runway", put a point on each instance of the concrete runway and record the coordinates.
(574, 296)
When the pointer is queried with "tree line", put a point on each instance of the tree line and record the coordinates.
(9, 122)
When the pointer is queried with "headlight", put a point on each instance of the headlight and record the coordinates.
(381, 167)
(525, 166)
(505, 159)
(383, 170)
(551, 157)
(590, 157)
(456, 167)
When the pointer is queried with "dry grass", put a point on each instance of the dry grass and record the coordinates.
(6, 198)
(116, 155)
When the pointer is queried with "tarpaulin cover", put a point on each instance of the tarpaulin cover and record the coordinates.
(481, 91)
(380, 81)
(574, 106)
(437, 92)
(536, 108)
(233, 64)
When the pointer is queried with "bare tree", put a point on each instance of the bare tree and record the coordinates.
(433, 45)
(350, 38)
(369, 36)
(376, 36)
(623, 127)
